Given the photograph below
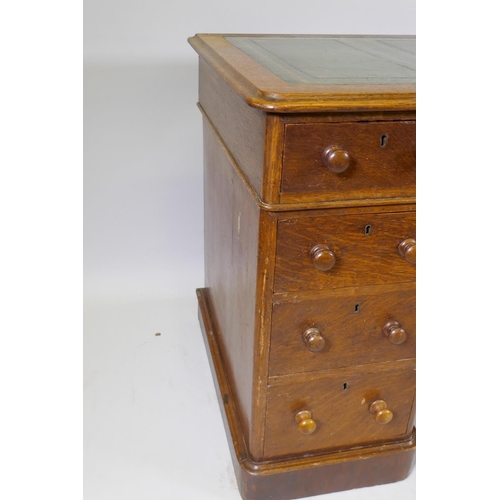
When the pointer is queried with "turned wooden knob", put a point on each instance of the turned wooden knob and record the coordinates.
(408, 249)
(336, 159)
(322, 258)
(382, 414)
(394, 332)
(313, 339)
(306, 424)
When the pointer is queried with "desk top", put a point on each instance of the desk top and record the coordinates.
(289, 73)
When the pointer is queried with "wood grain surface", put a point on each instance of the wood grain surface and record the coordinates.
(302, 476)
(241, 127)
(231, 254)
(350, 321)
(262, 330)
(361, 259)
(382, 161)
(340, 407)
(273, 158)
(272, 176)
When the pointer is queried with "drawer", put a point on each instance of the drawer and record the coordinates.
(339, 407)
(344, 161)
(335, 251)
(354, 326)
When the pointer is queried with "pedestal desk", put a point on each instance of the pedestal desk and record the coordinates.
(308, 310)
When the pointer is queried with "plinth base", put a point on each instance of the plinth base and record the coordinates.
(299, 477)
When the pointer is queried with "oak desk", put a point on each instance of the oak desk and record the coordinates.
(308, 310)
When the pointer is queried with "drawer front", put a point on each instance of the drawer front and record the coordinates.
(378, 157)
(365, 249)
(355, 326)
(339, 407)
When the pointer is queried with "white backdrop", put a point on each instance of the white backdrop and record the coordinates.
(157, 29)
(152, 427)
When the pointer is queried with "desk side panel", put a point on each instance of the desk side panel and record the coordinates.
(231, 258)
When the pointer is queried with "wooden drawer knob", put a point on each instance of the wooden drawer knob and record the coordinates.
(394, 332)
(322, 258)
(306, 424)
(313, 339)
(336, 159)
(382, 414)
(408, 249)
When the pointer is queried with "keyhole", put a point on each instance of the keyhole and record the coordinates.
(345, 386)
(356, 308)
(383, 140)
(368, 230)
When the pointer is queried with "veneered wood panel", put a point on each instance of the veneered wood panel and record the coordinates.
(382, 161)
(361, 259)
(263, 315)
(241, 127)
(350, 321)
(339, 404)
(273, 159)
(231, 253)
